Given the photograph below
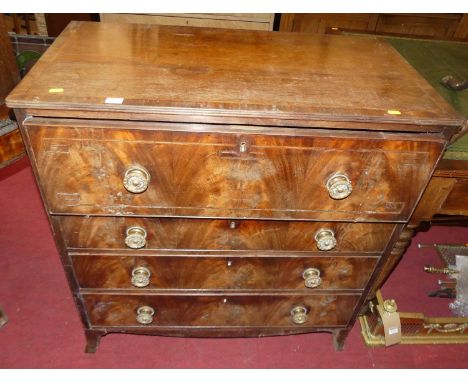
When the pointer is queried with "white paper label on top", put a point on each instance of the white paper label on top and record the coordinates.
(113, 100)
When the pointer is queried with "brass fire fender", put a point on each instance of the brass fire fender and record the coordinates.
(415, 327)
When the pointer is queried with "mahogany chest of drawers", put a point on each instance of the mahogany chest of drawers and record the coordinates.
(207, 182)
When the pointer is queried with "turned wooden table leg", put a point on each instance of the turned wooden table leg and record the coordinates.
(93, 338)
(339, 338)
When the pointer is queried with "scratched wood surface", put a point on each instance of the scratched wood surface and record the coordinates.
(205, 174)
(203, 273)
(264, 76)
(218, 311)
(215, 235)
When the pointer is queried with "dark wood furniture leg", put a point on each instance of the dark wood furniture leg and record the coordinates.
(93, 337)
(339, 338)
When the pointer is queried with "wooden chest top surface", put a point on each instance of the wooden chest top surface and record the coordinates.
(215, 72)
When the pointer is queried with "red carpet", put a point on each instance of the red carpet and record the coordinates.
(44, 330)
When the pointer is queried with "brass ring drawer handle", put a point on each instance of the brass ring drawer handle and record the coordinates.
(339, 186)
(312, 277)
(299, 315)
(145, 315)
(325, 239)
(136, 179)
(136, 237)
(141, 277)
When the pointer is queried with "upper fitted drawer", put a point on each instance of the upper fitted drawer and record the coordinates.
(143, 168)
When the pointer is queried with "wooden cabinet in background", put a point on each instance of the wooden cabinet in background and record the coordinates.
(11, 144)
(56, 22)
(319, 22)
(253, 21)
(444, 26)
(9, 74)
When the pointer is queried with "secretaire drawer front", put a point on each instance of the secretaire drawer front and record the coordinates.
(218, 273)
(176, 234)
(219, 311)
(152, 171)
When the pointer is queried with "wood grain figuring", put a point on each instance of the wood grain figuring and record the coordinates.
(205, 174)
(219, 311)
(169, 234)
(263, 75)
(201, 273)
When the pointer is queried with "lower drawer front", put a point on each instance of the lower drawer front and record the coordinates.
(217, 310)
(187, 272)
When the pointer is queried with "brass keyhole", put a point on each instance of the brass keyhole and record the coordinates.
(243, 147)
